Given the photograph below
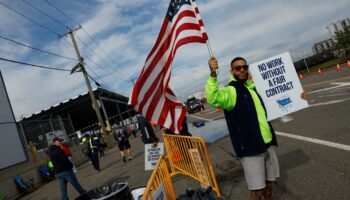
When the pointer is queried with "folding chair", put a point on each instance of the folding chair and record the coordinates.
(23, 186)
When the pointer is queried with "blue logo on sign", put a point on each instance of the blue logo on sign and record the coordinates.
(284, 103)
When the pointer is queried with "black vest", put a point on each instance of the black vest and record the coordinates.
(243, 124)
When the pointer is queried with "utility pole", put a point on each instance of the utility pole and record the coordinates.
(82, 68)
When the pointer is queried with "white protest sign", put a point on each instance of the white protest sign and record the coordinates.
(152, 155)
(278, 84)
(159, 194)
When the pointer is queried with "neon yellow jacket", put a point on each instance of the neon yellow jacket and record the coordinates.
(225, 98)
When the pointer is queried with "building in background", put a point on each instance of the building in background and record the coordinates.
(328, 45)
(324, 50)
(12, 144)
(338, 26)
(323, 46)
(75, 115)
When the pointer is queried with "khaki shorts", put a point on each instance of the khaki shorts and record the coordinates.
(259, 168)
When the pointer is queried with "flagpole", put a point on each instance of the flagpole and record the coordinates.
(209, 49)
(208, 44)
(211, 53)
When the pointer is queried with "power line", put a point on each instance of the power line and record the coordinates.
(104, 61)
(46, 28)
(30, 19)
(57, 21)
(33, 21)
(99, 84)
(61, 23)
(44, 13)
(34, 65)
(95, 64)
(103, 51)
(107, 85)
(36, 49)
(88, 58)
(60, 11)
(106, 64)
(52, 18)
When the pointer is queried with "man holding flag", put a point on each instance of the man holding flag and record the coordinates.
(151, 95)
(252, 136)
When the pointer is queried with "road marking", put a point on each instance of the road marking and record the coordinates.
(316, 141)
(341, 94)
(342, 84)
(327, 103)
(205, 119)
(286, 118)
(324, 82)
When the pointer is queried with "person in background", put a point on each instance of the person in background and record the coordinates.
(33, 151)
(121, 136)
(99, 144)
(90, 149)
(63, 169)
(147, 132)
(69, 155)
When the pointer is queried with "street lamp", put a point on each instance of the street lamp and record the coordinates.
(303, 57)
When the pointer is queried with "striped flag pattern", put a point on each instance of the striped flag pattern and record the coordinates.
(151, 95)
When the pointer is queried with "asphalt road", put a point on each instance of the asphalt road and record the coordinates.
(314, 143)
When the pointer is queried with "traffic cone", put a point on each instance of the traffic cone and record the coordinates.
(349, 64)
(320, 72)
(301, 77)
(218, 110)
(338, 68)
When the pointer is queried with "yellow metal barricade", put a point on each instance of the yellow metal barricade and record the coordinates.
(160, 177)
(189, 156)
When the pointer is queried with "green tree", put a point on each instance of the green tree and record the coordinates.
(342, 39)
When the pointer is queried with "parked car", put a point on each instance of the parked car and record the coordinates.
(193, 105)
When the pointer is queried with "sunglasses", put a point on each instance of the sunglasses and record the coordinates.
(239, 68)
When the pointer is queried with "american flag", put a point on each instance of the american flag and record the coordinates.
(151, 95)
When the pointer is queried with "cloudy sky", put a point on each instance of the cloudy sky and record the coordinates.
(124, 31)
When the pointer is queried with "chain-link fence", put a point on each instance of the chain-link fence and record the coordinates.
(42, 132)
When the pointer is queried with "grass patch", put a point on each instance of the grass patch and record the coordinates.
(326, 65)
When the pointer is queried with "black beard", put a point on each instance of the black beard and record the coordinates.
(241, 80)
